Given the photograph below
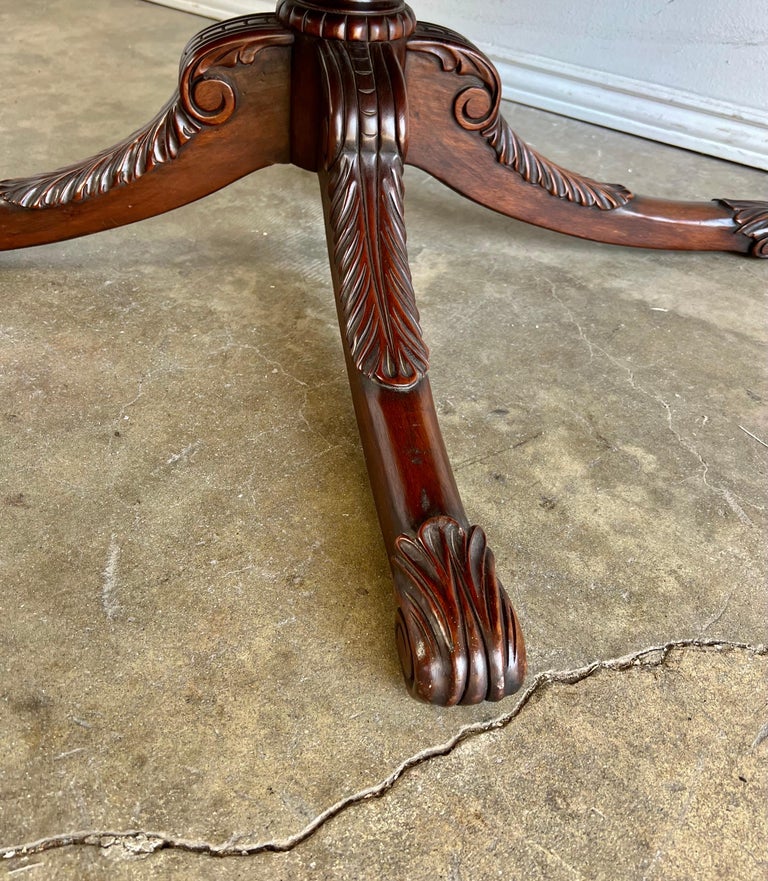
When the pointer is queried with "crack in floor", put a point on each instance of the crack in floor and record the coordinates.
(137, 842)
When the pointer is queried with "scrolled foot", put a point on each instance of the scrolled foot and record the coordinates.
(458, 637)
(751, 219)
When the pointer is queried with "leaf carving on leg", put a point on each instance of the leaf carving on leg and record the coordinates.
(477, 108)
(365, 192)
(203, 99)
(751, 218)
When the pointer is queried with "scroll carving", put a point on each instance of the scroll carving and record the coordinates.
(458, 637)
(477, 108)
(366, 94)
(391, 22)
(752, 221)
(204, 98)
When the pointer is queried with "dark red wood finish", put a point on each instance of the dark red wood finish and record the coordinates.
(353, 90)
(462, 139)
(211, 132)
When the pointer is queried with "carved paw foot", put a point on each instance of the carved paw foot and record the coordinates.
(458, 637)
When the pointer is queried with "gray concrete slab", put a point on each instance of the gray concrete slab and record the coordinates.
(196, 615)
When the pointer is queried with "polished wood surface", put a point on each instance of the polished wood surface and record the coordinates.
(214, 130)
(458, 135)
(353, 91)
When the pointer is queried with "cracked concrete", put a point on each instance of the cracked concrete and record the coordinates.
(196, 621)
(135, 841)
(673, 787)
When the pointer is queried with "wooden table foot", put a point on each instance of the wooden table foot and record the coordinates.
(458, 637)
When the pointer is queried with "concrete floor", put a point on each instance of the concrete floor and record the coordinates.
(196, 613)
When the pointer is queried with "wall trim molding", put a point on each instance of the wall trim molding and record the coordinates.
(218, 9)
(660, 113)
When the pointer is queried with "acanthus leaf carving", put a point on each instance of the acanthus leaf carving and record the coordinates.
(477, 108)
(458, 637)
(365, 191)
(202, 99)
(158, 142)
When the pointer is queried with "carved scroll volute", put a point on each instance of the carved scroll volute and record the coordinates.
(362, 173)
(457, 635)
(477, 108)
(205, 98)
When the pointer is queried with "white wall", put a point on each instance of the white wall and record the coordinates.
(693, 73)
(717, 48)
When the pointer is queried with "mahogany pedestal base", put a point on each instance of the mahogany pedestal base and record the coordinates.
(353, 90)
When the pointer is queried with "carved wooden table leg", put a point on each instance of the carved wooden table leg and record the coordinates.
(457, 636)
(352, 89)
(458, 135)
(213, 131)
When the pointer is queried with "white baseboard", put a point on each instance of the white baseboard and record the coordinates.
(671, 116)
(218, 9)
